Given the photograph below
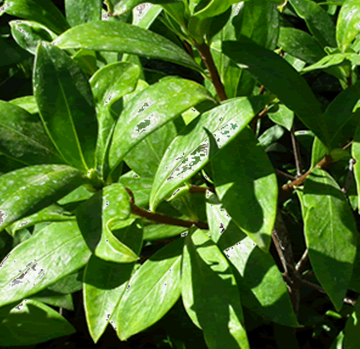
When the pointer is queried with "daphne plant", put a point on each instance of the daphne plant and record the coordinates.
(229, 194)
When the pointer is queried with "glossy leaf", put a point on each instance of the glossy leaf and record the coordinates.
(27, 191)
(69, 284)
(214, 8)
(29, 34)
(246, 184)
(106, 208)
(318, 152)
(331, 235)
(188, 153)
(124, 38)
(300, 45)
(145, 158)
(23, 137)
(82, 11)
(209, 287)
(281, 79)
(151, 109)
(55, 299)
(41, 11)
(266, 290)
(110, 84)
(140, 187)
(105, 282)
(334, 60)
(119, 7)
(27, 102)
(32, 322)
(151, 292)
(41, 261)
(52, 213)
(318, 21)
(340, 112)
(66, 105)
(348, 24)
(282, 116)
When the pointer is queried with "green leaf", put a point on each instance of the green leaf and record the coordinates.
(82, 11)
(42, 11)
(124, 38)
(355, 152)
(66, 105)
(86, 60)
(318, 21)
(271, 135)
(52, 213)
(246, 184)
(32, 322)
(151, 292)
(334, 60)
(188, 153)
(300, 45)
(145, 158)
(97, 219)
(151, 109)
(282, 116)
(55, 299)
(139, 186)
(348, 24)
(340, 112)
(119, 7)
(206, 275)
(351, 331)
(27, 102)
(266, 290)
(280, 78)
(150, 16)
(28, 190)
(41, 261)
(214, 8)
(29, 34)
(331, 234)
(105, 282)
(110, 84)
(23, 137)
(69, 284)
(318, 152)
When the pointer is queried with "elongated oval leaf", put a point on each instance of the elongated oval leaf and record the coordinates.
(39, 188)
(106, 208)
(42, 11)
(108, 85)
(334, 60)
(300, 45)
(151, 292)
(151, 109)
(29, 34)
(318, 21)
(119, 7)
(209, 287)
(27, 102)
(246, 184)
(82, 11)
(348, 24)
(331, 234)
(23, 137)
(66, 105)
(41, 261)
(281, 79)
(266, 291)
(38, 323)
(124, 38)
(105, 282)
(188, 153)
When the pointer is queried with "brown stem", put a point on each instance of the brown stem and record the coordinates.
(214, 74)
(284, 174)
(189, 48)
(296, 152)
(161, 218)
(302, 262)
(283, 246)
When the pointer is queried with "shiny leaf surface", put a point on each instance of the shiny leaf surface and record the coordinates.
(82, 11)
(209, 287)
(188, 153)
(66, 105)
(331, 235)
(151, 292)
(41, 261)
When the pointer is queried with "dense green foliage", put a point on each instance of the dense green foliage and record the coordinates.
(197, 167)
